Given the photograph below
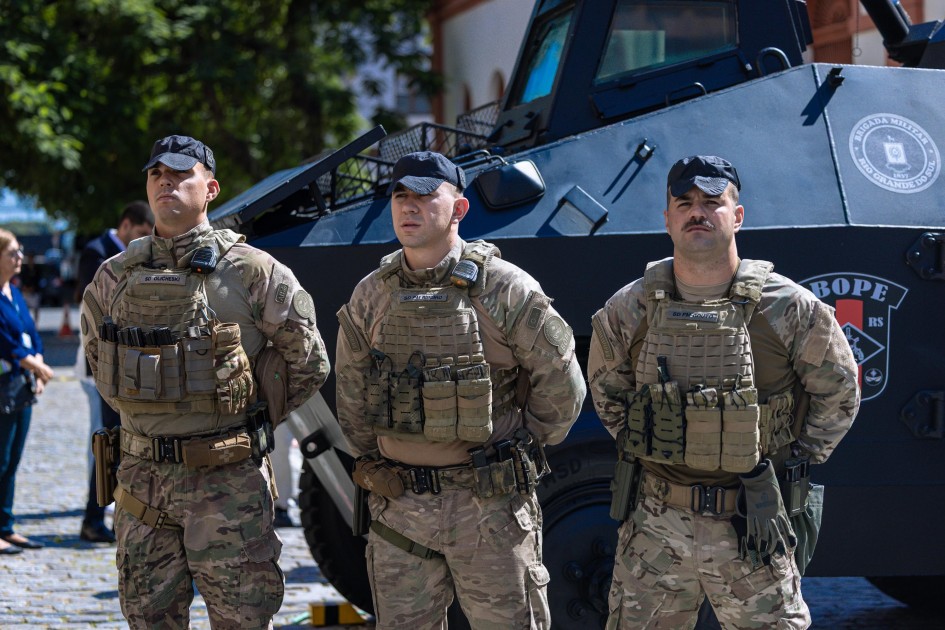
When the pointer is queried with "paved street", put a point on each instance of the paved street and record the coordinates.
(72, 584)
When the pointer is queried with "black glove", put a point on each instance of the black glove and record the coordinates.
(767, 529)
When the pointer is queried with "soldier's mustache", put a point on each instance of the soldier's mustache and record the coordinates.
(699, 222)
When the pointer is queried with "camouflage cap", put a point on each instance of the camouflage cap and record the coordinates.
(709, 173)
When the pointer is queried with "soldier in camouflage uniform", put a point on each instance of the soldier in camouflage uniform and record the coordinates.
(194, 503)
(714, 375)
(452, 369)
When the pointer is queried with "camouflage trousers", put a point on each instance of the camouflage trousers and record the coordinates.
(227, 546)
(491, 556)
(669, 559)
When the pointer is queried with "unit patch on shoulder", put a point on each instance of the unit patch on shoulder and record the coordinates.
(303, 304)
(282, 291)
(534, 316)
(557, 333)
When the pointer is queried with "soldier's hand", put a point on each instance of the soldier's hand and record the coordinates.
(760, 503)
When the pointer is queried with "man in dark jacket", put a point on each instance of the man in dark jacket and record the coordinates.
(136, 221)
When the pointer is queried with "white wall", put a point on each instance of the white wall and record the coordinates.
(477, 44)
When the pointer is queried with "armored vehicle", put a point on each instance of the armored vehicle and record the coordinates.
(843, 192)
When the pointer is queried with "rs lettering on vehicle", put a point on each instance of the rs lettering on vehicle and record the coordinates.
(864, 306)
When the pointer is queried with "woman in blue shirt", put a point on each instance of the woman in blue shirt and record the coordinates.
(20, 350)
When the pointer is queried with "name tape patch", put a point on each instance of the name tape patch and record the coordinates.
(695, 316)
(424, 297)
(164, 278)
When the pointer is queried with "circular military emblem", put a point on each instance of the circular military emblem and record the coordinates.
(895, 153)
(873, 377)
(302, 302)
(557, 333)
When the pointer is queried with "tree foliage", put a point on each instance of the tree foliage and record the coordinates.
(88, 85)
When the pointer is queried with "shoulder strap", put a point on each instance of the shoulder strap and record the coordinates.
(658, 284)
(138, 252)
(480, 253)
(748, 284)
(389, 270)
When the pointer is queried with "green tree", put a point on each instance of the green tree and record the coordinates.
(88, 85)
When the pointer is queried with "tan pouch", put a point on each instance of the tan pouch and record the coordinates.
(474, 409)
(377, 398)
(439, 411)
(777, 421)
(198, 365)
(740, 433)
(703, 429)
(376, 475)
(106, 377)
(149, 373)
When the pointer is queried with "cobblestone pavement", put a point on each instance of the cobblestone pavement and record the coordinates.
(73, 584)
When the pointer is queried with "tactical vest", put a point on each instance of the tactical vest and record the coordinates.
(203, 369)
(429, 380)
(697, 403)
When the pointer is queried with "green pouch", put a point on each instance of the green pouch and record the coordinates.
(639, 418)
(668, 442)
(807, 527)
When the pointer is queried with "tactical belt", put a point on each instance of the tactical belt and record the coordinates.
(399, 540)
(148, 515)
(432, 479)
(194, 452)
(695, 498)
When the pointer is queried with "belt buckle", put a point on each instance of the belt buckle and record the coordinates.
(709, 499)
(423, 480)
(166, 449)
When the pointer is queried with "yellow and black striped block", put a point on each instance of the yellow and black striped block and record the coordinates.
(329, 614)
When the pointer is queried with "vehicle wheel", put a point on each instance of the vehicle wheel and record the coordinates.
(338, 553)
(922, 592)
(579, 535)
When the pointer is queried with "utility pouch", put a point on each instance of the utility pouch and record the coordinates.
(361, 518)
(234, 378)
(703, 429)
(377, 410)
(482, 474)
(776, 422)
(376, 475)
(625, 488)
(795, 485)
(639, 422)
(261, 438)
(439, 404)
(668, 437)
(106, 446)
(106, 376)
(149, 373)
(406, 408)
(740, 435)
(474, 402)
(197, 349)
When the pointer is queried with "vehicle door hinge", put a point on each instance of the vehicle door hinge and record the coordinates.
(925, 414)
(927, 256)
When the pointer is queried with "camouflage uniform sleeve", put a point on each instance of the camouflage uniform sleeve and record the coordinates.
(96, 301)
(285, 314)
(827, 370)
(610, 369)
(543, 345)
(351, 362)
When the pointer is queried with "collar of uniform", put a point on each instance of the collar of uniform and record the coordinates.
(435, 276)
(177, 247)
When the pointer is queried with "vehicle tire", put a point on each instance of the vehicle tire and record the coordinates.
(338, 553)
(579, 536)
(922, 592)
